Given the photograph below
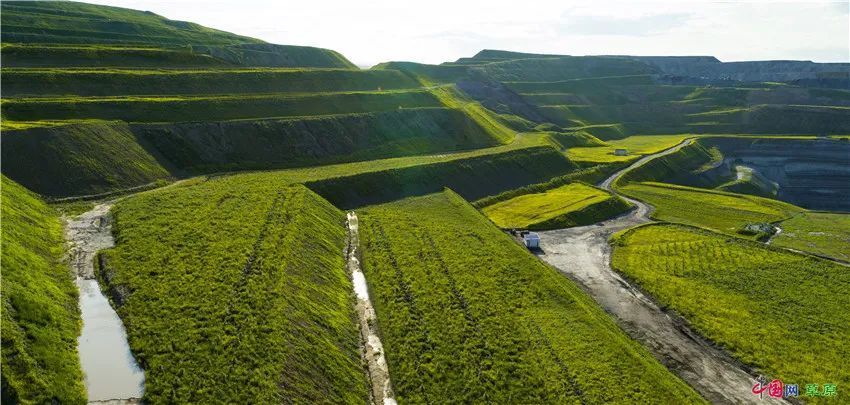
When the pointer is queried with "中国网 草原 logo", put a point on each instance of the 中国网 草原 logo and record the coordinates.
(777, 389)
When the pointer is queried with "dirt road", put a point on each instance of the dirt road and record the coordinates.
(584, 255)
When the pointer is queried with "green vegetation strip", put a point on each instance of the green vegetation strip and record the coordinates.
(570, 205)
(123, 82)
(213, 108)
(468, 315)
(41, 320)
(79, 159)
(715, 210)
(236, 291)
(783, 313)
(634, 147)
(821, 233)
(473, 178)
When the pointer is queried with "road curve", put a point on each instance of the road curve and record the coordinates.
(583, 254)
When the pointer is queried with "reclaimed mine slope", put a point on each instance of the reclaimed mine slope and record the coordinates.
(584, 255)
(40, 318)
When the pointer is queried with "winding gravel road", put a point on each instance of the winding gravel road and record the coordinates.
(584, 255)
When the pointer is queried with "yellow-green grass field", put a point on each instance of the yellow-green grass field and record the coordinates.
(715, 210)
(236, 290)
(639, 145)
(41, 320)
(569, 205)
(783, 313)
(467, 315)
(822, 233)
(635, 145)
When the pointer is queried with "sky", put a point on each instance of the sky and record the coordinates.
(435, 31)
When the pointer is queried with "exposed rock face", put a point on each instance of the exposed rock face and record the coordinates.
(709, 68)
(813, 174)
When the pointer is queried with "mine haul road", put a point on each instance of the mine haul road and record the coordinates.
(583, 254)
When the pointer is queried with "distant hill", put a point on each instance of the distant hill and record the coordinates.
(94, 32)
(711, 69)
(706, 68)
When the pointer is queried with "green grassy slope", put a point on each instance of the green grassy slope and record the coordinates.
(118, 82)
(430, 74)
(195, 120)
(102, 56)
(55, 22)
(473, 178)
(78, 159)
(569, 205)
(589, 175)
(200, 147)
(719, 211)
(635, 147)
(822, 233)
(600, 92)
(261, 315)
(683, 163)
(41, 320)
(468, 315)
(780, 312)
(43, 21)
(93, 157)
(564, 67)
(221, 107)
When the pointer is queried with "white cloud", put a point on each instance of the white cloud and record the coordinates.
(442, 30)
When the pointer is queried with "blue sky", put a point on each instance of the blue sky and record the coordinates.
(369, 32)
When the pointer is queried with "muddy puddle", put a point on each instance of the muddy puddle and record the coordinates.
(112, 375)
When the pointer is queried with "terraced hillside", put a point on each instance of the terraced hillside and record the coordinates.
(205, 101)
(467, 315)
(229, 270)
(41, 319)
(615, 96)
(573, 204)
(719, 211)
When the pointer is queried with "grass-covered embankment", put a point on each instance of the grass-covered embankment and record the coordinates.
(475, 177)
(780, 312)
(563, 207)
(468, 315)
(716, 210)
(635, 147)
(41, 319)
(78, 159)
(236, 291)
(177, 82)
(682, 164)
(37, 55)
(822, 233)
(213, 108)
(203, 147)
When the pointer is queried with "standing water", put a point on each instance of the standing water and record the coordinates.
(111, 372)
